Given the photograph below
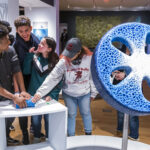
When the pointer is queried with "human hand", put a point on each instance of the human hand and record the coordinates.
(36, 98)
(39, 49)
(48, 98)
(32, 50)
(20, 100)
(92, 99)
(25, 95)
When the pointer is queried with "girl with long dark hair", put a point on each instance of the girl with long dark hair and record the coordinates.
(42, 62)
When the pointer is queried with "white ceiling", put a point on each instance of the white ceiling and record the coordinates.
(105, 5)
(32, 3)
(93, 5)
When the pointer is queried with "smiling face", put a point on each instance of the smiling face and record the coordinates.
(24, 32)
(43, 48)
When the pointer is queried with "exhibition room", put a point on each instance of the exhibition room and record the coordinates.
(75, 74)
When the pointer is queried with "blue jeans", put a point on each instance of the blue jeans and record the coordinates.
(36, 120)
(133, 124)
(84, 107)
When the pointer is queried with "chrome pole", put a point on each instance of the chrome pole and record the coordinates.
(125, 132)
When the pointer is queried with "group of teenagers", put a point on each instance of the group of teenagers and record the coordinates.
(32, 68)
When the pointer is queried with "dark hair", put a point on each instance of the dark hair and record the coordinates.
(22, 21)
(3, 31)
(52, 56)
(7, 24)
(11, 38)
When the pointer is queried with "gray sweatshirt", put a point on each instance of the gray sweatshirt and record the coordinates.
(77, 79)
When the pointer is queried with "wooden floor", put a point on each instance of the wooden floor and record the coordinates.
(104, 122)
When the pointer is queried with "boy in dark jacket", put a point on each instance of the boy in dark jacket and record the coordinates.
(24, 41)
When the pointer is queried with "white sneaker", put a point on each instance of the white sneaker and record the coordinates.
(131, 138)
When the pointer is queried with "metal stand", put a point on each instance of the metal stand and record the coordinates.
(125, 132)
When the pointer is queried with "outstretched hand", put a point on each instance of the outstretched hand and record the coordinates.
(32, 50)
(36, 98)
(48, 98)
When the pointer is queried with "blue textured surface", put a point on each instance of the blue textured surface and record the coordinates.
(126, 96)
(28, 102)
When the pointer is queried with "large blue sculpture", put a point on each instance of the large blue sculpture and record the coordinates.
(126, 96)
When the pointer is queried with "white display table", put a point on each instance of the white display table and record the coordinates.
(57, 125)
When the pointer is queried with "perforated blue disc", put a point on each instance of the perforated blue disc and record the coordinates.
(126, 96)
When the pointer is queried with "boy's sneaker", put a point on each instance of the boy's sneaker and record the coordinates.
(134, 139)
(42, 136)
(12, 128)
(88, 133)
(11, 141)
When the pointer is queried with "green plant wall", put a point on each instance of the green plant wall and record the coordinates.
(90, 29)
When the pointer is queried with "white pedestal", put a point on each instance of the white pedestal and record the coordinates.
(97, 142)
(57, 125)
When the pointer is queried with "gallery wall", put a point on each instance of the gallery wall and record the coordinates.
(43, 15)
(47, 18)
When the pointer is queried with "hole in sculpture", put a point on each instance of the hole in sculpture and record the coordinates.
(122, 47)
(119, 74)
(147, 47)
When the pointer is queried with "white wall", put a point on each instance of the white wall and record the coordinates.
(3, 9)
(10, 12)
(49, 14)
(42, 15)
(13, 13)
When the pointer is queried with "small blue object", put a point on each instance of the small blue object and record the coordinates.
(28, 102)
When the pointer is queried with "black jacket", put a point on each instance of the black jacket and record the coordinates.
(23, 47)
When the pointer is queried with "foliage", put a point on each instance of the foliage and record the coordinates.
(90, 29)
